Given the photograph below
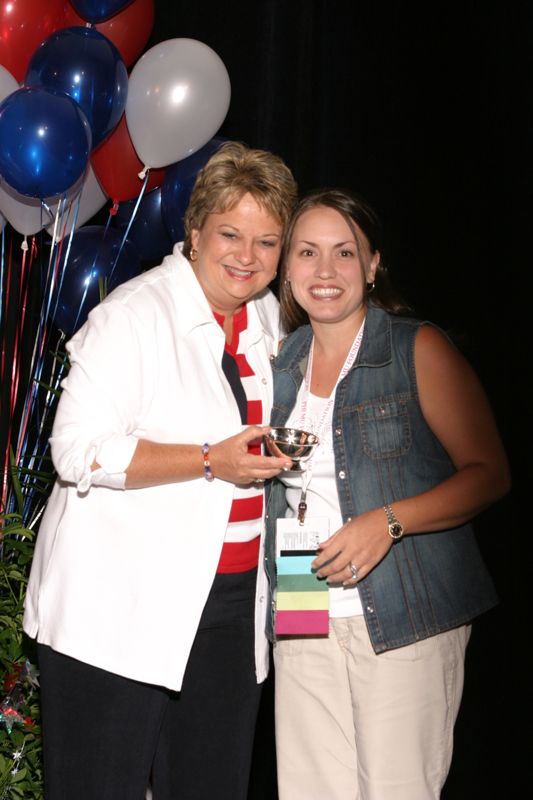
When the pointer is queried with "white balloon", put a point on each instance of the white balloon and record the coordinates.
(8, 84)
(178, 96)
(28, 216)
(91, 200)
(25, 214)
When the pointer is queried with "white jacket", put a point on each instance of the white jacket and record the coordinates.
(120, 577)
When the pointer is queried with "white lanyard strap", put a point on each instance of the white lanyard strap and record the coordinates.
(350, 358)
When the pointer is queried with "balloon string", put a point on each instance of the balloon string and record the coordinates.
(58, 219)
(25, 417)
(9, 277)
(3, 318)
(65, 262)
(133, 215)
(32, 410)
(76, 204)
(51, 215)
(2, 275)
(15, 372)
(17, 346)
(91, 275)
(7, 299)
(42, 446)
(36, 362)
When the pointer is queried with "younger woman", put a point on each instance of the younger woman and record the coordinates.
(408, 454)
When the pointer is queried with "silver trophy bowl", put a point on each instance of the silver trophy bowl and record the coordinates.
(293, 443)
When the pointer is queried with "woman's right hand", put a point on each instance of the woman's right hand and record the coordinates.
(231, 461)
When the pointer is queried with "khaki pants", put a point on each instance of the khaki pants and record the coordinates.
(354, 725)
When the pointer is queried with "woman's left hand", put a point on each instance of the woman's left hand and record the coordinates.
(362, 542)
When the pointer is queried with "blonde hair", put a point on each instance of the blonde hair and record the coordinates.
(233, 171)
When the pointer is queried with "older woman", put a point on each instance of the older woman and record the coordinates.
(144, 596)
(408, 454)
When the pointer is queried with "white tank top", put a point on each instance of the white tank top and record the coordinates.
(322, 498)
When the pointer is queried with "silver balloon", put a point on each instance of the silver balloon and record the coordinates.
(28, 215)
(178, 96)
(8, 84)
(25, 214)
(78, 208)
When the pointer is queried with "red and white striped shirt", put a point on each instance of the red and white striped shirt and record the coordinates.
(240, 551)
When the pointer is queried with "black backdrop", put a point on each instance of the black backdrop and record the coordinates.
(423, 108)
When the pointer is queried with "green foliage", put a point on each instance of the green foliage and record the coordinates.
(20, 733)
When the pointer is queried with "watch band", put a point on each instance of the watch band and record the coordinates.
(395, 527)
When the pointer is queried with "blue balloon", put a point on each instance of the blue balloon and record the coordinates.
(46, 141)
(148, 233)
(178, 183)
(84, 64)
(98, 10)
(93, 255)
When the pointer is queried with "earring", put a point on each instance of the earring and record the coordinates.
(370, 287)
(287, 282)
(193, 255)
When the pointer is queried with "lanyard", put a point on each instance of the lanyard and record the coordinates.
(350, 358)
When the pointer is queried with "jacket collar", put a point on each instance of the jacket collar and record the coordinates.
(375, 349)
(196, 311)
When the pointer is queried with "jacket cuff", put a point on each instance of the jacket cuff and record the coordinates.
(113, 455)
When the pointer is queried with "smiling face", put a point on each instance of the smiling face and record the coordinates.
(328, 267)
(238, 253)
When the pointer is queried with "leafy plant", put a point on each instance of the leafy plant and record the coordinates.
(20, 732)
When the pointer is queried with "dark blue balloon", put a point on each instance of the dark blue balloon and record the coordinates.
(84, 64)
(178, 183)
(98, 10)
(45, 142)
(148, 233)
(92, 256)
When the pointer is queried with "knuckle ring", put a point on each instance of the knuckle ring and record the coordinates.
(353, 570)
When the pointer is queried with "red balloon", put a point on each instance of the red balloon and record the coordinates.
(129, 30)
(117, 166)
(23, 26)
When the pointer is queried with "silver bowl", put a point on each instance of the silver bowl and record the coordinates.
(298, 445)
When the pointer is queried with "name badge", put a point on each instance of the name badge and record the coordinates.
(302, 599)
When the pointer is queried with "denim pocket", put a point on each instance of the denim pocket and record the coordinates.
(384, 426)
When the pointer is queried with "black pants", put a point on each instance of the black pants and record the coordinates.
(106, 737)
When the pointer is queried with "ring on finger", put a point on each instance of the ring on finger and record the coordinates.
(353, 570)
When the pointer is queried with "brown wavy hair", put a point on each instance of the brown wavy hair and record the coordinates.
(358, 215)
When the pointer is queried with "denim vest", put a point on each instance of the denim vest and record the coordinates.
(385, 451)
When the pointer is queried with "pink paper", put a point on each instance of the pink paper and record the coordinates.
(302, 622)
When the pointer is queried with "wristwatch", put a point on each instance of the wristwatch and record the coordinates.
(395, 527)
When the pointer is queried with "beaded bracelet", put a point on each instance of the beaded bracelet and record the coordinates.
(208, 475)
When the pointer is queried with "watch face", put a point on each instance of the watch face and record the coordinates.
(395, 530)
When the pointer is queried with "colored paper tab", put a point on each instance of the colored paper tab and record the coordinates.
(302, 623)
(295, 565)
(301, 583)
(302, 601)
